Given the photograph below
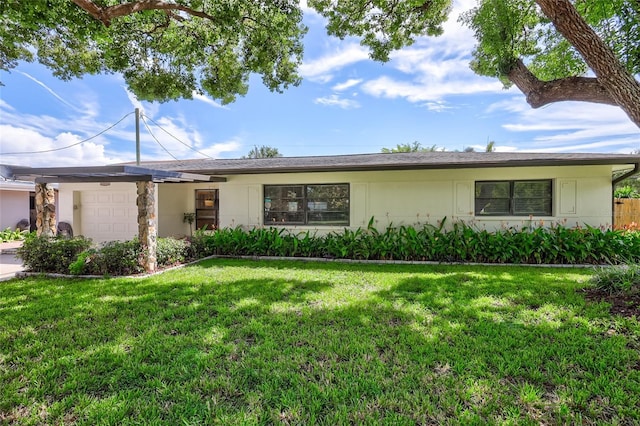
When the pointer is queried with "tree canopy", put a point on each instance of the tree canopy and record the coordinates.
(263, 152)
(417, 147)
(552, 50)
(164, 49)
(411, 147)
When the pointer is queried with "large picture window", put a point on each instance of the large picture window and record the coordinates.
(325, 204)
(514, 198)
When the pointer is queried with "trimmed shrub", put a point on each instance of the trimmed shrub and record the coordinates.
(51, 254)
(112, 258)
(171, 251)
(80, 265)
(201, 244)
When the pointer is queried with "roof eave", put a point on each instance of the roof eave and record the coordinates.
(117, 173)
(405, 167)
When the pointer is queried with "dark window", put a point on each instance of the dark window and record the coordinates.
(206, 209)
(326, 204)
(514, 198)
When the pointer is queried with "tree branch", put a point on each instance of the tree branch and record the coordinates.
(621, 85)
(540, 93)
(106, 14)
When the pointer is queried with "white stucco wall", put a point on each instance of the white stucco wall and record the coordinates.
(174, 200)
(14, 206)
(581, 194)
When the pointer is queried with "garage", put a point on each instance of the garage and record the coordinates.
(108, 215)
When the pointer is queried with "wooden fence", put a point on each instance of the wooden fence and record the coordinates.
(626, 211)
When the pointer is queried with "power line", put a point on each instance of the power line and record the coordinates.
(167, 132)
(156, 139)
(69, 146)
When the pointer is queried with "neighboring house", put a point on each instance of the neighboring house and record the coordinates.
(16, 203)
(329, 193)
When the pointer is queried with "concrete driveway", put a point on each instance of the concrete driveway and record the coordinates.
(9, 263)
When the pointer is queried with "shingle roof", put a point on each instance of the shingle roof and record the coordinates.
(395, 161)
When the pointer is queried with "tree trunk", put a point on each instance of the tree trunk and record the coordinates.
(621, 85)
(45, 210)
(147, 232)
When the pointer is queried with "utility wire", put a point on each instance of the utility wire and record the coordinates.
(156, 139)
(183, 143)
(72, 145)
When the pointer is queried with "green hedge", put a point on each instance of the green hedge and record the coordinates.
(78, 257)
(54, 255)
(460, 243)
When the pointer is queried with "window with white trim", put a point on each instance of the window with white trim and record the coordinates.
(322, 204)
(514, 198)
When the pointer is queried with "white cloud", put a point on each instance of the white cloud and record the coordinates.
(418, 92)
(588, 147)
(171, 134)
(434, 68)
(568, 126)
(207, 100)
(505, 148)
(133, 99)
(580, 119)
(147, 108)
(215, 150)
(31, 144)
(42, 136)
(335, 100)
(347, 84)
(322, 68)
(4, 105)
(438, 106)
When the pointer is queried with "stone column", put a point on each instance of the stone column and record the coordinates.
(147, 232)
(45, 210)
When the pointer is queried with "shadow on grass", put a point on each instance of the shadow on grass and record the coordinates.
(258, 342)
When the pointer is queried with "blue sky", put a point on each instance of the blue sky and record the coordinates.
(346, 104)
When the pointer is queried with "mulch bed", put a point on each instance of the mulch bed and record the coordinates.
(626, 305)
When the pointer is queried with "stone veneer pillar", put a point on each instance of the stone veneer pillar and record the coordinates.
(147, 232)
(45, 210)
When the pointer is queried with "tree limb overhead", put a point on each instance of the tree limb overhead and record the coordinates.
(106, 14)
(540, 93)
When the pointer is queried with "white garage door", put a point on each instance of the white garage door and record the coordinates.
(108, 215)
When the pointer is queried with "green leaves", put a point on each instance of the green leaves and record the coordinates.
(43, 254)
(617, 279)
(162, 54)
(384, 25)
(459, 242)
(505, 32)
(12, 235)
(516, 29)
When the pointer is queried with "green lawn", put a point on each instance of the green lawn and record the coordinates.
(274, 342)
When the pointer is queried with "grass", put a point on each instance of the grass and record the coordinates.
(243, 342)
